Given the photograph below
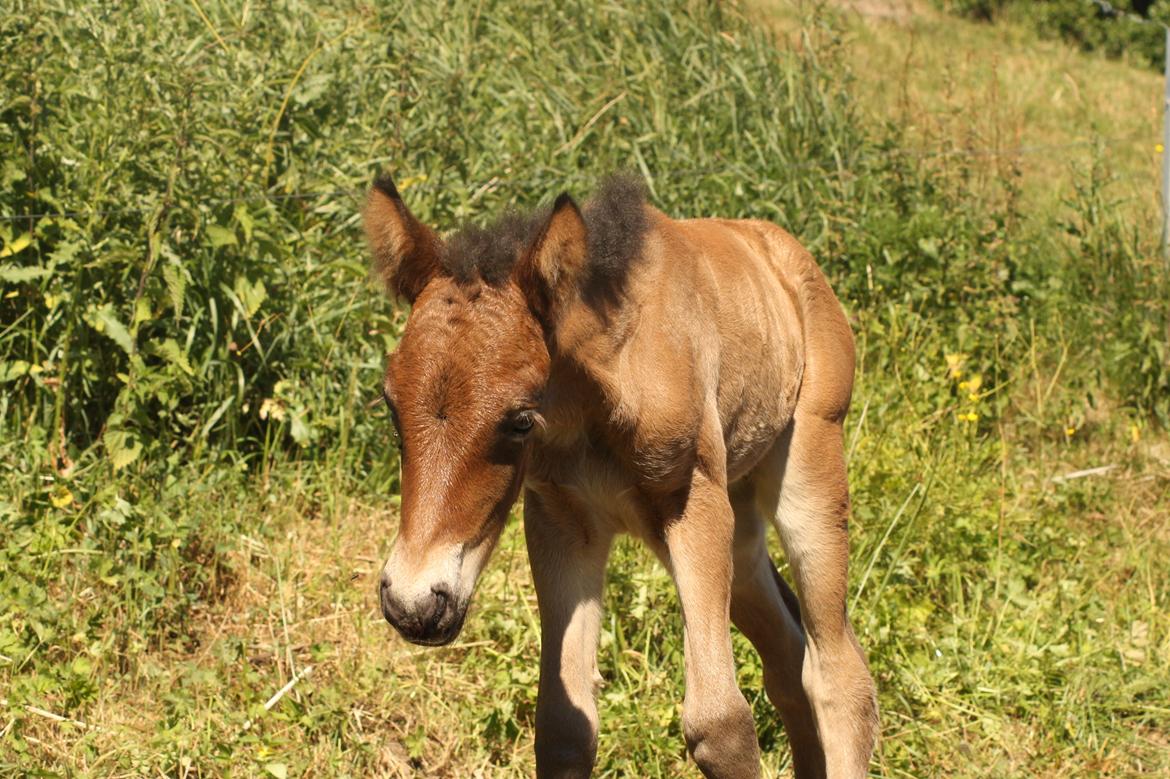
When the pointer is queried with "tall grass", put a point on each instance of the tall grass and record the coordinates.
(188, 348)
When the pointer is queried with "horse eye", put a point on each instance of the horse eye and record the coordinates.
(523, 423)
(394, 418)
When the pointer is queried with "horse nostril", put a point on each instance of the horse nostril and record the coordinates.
(442, 597)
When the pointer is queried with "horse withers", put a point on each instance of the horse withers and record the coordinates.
(684, 381)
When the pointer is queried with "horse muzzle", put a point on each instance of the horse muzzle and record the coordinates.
(433, 618)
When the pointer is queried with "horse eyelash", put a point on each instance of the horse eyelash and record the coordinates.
(393, 419)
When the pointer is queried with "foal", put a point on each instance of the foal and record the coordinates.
(684, 381)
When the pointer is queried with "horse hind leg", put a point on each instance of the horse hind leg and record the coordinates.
(765, 610)
(812, 517)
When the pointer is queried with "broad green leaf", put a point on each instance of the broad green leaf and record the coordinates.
(245, 220)
(298, 429)
(10, 371)
(251, 293)
(176, 281)
(171, 350)
(15, 274)
(142, 311)
(106, 323)
(17, 246)
(123, 447)
(64, 253)
(221, 236)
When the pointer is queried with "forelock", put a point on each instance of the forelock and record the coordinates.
(615, 223)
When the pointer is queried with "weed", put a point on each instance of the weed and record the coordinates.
(196, 492)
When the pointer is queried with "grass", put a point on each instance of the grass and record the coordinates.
(1015, 625)
(1038, 111)
(186, 530)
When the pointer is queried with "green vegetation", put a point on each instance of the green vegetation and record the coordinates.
(196, 492)
(1119, 28)
(1038, 112)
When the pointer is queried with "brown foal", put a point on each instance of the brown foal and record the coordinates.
(684, 381)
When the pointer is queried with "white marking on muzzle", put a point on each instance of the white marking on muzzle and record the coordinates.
(413, 578)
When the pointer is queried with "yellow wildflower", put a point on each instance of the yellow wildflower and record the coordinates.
(271, 407)
(411, 181)
(61, 497)
(955, 364)
(1069, 431)
(971, 387)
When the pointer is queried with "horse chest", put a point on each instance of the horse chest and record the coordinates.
(600, 486)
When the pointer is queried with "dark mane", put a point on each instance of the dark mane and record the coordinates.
(615, 221)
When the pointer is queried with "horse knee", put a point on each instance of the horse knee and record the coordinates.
(723, 743)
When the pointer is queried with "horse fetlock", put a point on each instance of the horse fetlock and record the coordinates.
(565, 757)
(844, 702)
(722, 740)
(566, 743)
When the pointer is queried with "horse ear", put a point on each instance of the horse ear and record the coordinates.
(555, 261)
(406, 253)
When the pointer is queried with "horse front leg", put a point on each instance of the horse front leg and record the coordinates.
(568, 561)
(717, 721)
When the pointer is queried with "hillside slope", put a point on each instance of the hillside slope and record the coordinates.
(1040, 112)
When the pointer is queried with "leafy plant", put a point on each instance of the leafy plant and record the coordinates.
(195, 487)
